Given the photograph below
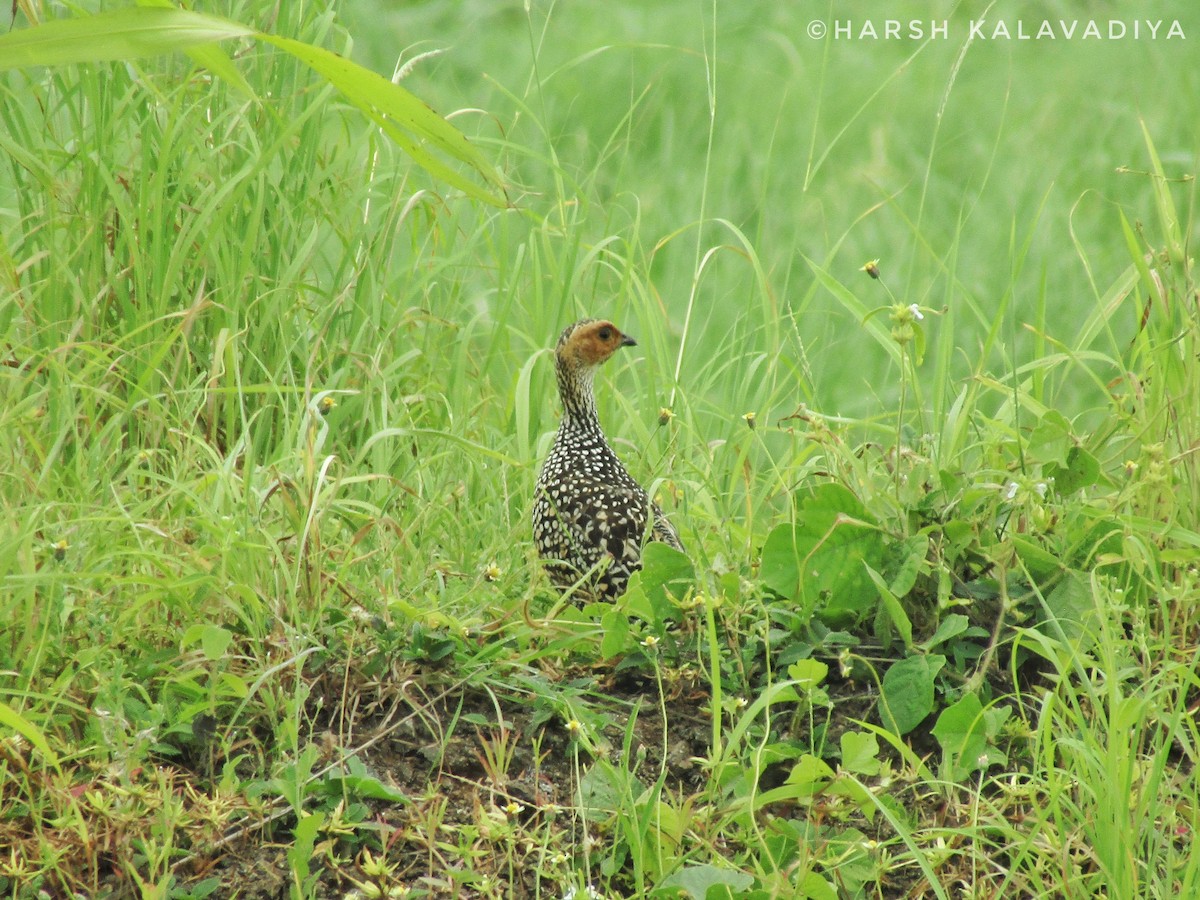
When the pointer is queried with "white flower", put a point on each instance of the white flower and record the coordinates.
(916, 312)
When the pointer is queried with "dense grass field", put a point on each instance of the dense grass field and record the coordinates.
(917, 379)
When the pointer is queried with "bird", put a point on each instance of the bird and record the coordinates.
(590, 517)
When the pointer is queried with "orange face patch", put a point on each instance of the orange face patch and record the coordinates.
(594, 342)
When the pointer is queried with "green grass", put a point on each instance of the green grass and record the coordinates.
(275, 399)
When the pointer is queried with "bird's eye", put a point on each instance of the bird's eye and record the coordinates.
(605, 334)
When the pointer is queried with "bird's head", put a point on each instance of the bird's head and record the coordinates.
(590, 342)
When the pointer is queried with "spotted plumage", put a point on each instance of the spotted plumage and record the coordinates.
(590, 518)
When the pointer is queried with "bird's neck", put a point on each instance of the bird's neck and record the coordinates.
(578, 399)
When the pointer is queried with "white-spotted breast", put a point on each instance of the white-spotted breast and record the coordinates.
(590, 518)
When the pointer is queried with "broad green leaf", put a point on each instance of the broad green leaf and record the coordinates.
(1051, 438)
(808, 673)
(635, 602)
(904, 562)
(663, 564)
(598, 795)
(1079, 470)
(665, 573)
(616, 633)
(780, 564)
(305, 833)
(810, 774)
(817, 887)
(860, 753)
(1041, 564)
(819, 560)
(213, 640)
(695, 880)
(1071, 611)
(359, 784)
(231, 685)
(950, 627)
(964, 730)
(809, 777)
(907, 695)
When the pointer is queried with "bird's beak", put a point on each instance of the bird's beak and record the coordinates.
(627, 341)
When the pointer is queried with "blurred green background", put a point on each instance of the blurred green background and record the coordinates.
(976, 174)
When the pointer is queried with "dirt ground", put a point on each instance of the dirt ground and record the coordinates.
(451, 781)
(454, 782)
